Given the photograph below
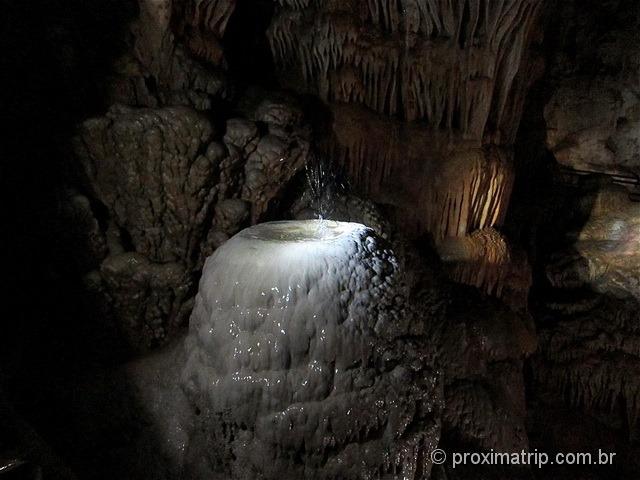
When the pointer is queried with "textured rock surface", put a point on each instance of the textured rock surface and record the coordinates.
(481, 347)
(426, 98)
(164, 197)
(302, 361)
(425, 58)
(570, 361)
(593, 125)
(451, 64)
(586, 304)
(588, 363)
(605, 255)
(174, 189)
(163, 184)
(593, 116)
(201, 26)
(589, 345)
(159, 70)
(485, 260)
(466, 187)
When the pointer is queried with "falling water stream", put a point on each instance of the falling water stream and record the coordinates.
(323, 187)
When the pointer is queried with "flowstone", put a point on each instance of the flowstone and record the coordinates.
(301, 361)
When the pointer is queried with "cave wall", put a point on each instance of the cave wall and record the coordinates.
(172, 172)
(592, 115)
(170, 157)
(167, 165)
(403, 76)
(575, 210)
(426, 99)
(445, 170)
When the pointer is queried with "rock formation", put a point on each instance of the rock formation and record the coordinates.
(174, 189)
(485, 260)
(302, 361)
(428, 90)
(592, 115)
(504, 319)
(587, 297)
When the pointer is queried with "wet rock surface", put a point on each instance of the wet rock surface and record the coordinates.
(477, 334)
(302, 362)
(293, 367)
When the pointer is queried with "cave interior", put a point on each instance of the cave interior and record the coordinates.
(320, 239)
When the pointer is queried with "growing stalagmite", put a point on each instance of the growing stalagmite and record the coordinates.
(301, 358)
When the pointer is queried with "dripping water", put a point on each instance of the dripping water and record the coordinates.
(323, 187)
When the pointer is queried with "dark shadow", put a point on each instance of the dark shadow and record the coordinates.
(246, 45)
(56, 62)
(548, 210)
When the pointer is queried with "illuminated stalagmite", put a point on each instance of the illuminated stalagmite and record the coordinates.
(302, 361)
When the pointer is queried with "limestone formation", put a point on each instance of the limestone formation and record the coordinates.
(162, 68)
(593, 115)
(481, 347)
(451, 64)
(593, 125)
(302, 362)
(426, 98)
(485, 260)
(175, 189)
(588, 355)
(181, 328)
(201, 26)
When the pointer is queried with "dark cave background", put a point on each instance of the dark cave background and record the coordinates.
(57, 63)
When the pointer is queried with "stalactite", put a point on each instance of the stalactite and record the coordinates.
(201, 26)
(435, 80)
(212, 15)
(452, 192)
(597, 385)
(206, 46)
(283, 39)
(485, 260)
(154, 40)
(452, 64)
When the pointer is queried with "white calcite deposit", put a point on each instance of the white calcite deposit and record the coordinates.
(300, 363)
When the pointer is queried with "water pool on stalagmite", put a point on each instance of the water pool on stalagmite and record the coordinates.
(299, 360)
(301, 231)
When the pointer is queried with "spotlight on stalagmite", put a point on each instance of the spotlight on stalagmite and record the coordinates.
(300, 361)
